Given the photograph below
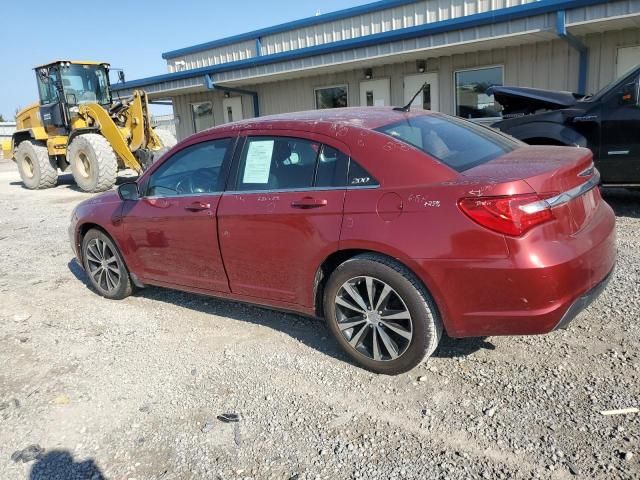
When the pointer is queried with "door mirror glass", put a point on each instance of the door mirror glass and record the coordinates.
(629, 94)
(129, 191)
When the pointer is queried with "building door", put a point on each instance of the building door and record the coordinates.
(428, 99)
(375, 93)
(232, 109)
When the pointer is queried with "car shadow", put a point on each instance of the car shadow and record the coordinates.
(310, 331)
(60, 464)
(625, 202)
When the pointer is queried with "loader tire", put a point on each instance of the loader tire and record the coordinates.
(93, 162)
(167, 138)
(37, 169)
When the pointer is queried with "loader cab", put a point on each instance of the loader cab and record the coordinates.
(63, 86)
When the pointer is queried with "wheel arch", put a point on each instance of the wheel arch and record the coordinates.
(336, 258)
(83, 228)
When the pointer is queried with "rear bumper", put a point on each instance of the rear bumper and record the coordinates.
(542, 286)
(583, 302)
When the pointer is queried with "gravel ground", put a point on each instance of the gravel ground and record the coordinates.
(133, 389)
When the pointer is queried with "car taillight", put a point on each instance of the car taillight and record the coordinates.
(511, 214)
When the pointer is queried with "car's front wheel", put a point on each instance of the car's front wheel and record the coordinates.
(105, 267)
(381, 315)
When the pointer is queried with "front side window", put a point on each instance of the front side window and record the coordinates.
(85, 84)
(332, 97)
(196, 170)
(47, 85)
(457, 143)
(277, 163)
(472, 100)
(202, 114)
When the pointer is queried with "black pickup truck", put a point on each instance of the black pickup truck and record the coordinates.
(608, 123)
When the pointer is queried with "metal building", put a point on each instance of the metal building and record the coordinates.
(380, 53)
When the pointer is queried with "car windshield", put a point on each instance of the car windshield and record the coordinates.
(85, 84)
(457, 143)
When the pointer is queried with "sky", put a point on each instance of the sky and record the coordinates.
(127, 34)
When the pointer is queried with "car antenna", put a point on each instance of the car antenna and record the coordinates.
(407, 107)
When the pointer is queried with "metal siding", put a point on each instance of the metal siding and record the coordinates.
(533, 24)
(215, 56)
(606, 10)
(418, 13)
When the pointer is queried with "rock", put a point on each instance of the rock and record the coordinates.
(208, 426)
(423, 378)
(21, 317)
(627, 456)
(29, 454)
(490, 412)
(573, 469)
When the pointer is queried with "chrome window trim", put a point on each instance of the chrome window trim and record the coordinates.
(284, 190)
(304, 189)
(186, 195)
(563, 197)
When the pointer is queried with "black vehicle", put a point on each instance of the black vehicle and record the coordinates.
(608, 123)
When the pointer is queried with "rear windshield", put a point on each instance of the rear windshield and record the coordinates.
(457, 143)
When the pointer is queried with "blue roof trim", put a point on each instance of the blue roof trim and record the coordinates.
(283, 27)
(470, 21)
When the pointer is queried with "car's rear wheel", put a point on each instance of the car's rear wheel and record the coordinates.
(381, 315)
(105, 267)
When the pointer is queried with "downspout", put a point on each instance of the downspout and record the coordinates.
(210, 84)
(561, 31)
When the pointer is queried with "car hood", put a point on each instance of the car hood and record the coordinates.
(103, 199)
(522, 100)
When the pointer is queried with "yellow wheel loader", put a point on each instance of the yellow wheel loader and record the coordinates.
(79, 125)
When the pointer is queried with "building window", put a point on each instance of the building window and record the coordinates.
(471, 98)
(332, 97)
(202, 114)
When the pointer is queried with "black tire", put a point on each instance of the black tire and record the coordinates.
(93, 162)
(36, 168)
(102, 282)
(167, 138)
(426, 326)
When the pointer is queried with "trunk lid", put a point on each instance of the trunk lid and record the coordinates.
(563, 176)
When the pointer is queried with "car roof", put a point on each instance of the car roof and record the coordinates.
(322, 121)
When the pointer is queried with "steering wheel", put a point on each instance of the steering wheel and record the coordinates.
(198, 181)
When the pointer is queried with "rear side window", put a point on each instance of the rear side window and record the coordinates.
(457, 143)
(277, 163)
(359, 177)
(332, 168)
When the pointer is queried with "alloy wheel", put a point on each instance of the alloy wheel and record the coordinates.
(103, 265)
(373, 318)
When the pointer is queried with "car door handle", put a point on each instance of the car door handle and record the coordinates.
(198, 207)
(309, 202)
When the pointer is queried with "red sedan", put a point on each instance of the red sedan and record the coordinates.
(391, 225)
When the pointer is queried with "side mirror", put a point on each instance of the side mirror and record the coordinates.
(129, 191)
(629, 94)
(121, 76)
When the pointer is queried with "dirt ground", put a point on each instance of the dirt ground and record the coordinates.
(133, 389)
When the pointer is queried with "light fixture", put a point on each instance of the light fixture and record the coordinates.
(421, 65)
(368, 74)
(227, 95)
